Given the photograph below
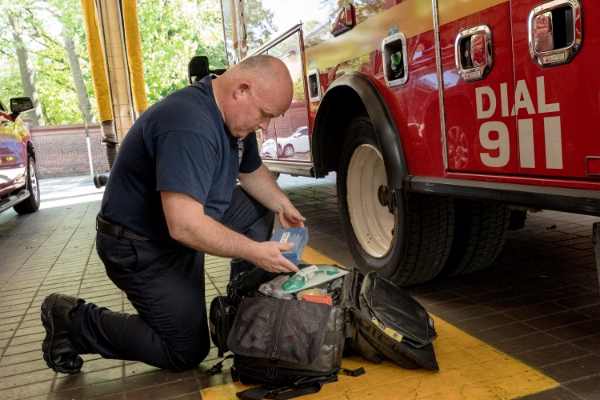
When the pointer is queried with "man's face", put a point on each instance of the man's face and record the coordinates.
(254, 111)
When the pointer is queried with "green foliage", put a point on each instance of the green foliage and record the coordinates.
(42, 22)
(172, 32)
(259, 23)
(10, 79)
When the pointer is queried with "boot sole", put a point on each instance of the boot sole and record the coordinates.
(48, 321)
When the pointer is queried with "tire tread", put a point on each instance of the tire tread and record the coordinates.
(480, 239)
(431, 230)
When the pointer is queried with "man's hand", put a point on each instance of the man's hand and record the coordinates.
(268, 257)
(189, 225)
(261, 185)
(291, 218)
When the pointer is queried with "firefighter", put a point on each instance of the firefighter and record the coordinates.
(171, 198)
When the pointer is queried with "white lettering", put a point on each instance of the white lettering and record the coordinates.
(526, 150)
(541, 94)
(504, 99)
(500, 147)
(553, 143)
(522, 99)
(479, 93)
(502, 144)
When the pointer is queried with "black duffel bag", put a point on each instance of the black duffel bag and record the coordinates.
(293, 347)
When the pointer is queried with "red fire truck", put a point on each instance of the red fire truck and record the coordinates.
(446, 121)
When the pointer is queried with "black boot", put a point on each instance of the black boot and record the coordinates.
(59, 353)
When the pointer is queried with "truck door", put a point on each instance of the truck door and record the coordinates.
(246, 33)
(556, 62)
(11, 160)
(478, 83)
(291, 129)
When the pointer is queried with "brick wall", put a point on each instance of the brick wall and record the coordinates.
(61, 150)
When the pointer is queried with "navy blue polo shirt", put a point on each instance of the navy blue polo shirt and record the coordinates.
(180, 144)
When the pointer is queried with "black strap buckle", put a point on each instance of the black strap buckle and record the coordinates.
(218, 367)
(353, 372)
(272, 369)
(120, 230)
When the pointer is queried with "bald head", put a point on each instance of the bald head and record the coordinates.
(253, 92)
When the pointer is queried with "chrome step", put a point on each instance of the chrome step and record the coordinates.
(15, 199)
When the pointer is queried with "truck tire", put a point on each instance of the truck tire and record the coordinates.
(479, 236)
(408, 246)
(32, 203)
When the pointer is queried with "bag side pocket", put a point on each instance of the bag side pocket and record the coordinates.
(221, 316)
(375, 347)
(391, 307)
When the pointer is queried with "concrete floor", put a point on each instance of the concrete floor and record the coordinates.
(539, 302)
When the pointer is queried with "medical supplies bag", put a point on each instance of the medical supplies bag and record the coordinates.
(291, 347)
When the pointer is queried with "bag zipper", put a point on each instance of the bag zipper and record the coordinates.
(274, 352)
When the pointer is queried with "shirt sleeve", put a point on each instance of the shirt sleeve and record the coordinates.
(251, 158)
(185, 163)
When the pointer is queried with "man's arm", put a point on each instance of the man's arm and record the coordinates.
(189, 225)
(261, 185)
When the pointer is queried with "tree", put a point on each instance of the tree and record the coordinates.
(259, 23)
(83, 99)
(52, 59)
(174, 31)
(25, 65)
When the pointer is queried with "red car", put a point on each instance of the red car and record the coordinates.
(18, 176)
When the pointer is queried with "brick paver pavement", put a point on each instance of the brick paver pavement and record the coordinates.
(539, 302)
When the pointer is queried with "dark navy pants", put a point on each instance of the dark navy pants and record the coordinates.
(166, 287)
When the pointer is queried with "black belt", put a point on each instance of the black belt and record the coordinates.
(117, 231)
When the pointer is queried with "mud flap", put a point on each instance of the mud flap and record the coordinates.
(596, 237)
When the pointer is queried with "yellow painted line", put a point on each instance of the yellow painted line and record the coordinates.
(469, 369)
(311, 256)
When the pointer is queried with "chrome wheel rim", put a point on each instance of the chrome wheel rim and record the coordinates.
(33, 183)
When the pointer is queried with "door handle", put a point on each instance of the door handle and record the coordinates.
(555, 32)
(473, 50)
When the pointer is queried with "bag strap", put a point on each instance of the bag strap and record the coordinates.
(282, 393)
(353, 372)
(255, 393)
(215, 369)
(311, 386)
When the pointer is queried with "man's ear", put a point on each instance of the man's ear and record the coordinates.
(241, 89)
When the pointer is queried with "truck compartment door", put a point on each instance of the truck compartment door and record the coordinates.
(478, 80)
(556, 64)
